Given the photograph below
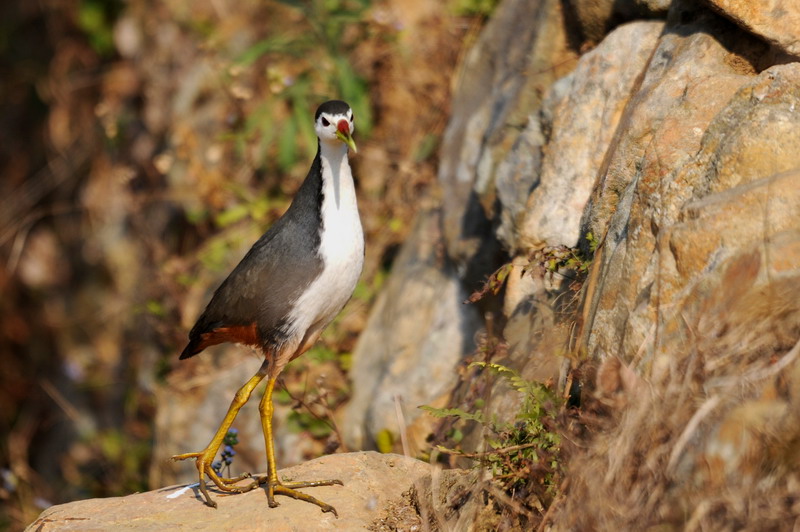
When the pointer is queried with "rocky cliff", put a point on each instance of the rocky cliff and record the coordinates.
(666, 153)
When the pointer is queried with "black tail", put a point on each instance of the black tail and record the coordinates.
(192, 348)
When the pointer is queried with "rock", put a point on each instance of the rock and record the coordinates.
(414, 339)
(689, 66)
(695, 289)
(753, 138)
(420, 330)
(372, 482)
(494, 92)
(736, 173)
(716, 234)
(745, 185)
(706, 236)
(691, 78)
(582, 112)
(584, 122)
(688, 140)
(776, 21)
(517, 174)
(654, 7)
(598, 17)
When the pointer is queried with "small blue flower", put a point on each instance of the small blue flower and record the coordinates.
(232, 437)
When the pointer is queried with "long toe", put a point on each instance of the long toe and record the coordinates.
(234, 480)
(184, 456)
(280, 489)
(301, 483)
(289, 489)
(312, 484)
(229, 485)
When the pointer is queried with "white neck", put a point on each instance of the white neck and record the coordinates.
(334, 149)
(342, 236)
(336, 175)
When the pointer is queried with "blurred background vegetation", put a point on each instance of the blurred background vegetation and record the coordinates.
(143, 147)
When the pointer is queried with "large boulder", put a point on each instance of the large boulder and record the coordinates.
(776, 21)
(581, 113)
(691, 311)
(690, 79)
(374, 484)
(584, 122)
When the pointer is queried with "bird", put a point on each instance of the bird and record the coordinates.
(288, 287)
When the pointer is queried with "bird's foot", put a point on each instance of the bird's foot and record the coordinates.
(203, 461)
(276, 487)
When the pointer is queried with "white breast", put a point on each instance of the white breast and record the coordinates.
(341, 249)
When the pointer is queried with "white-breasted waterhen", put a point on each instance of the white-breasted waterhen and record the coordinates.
(286, 290)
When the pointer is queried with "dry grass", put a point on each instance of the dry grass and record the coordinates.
(700, 430)
(705, 435)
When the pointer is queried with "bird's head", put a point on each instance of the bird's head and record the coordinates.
(334, 123)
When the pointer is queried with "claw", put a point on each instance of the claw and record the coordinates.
(276, 487)
(224, 484)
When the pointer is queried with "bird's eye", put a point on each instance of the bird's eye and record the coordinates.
(325, 122)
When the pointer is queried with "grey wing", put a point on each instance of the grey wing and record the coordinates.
(264, 285)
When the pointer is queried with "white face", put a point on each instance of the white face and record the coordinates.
(328, 124)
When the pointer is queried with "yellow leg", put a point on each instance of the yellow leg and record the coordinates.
(206, 457)
(274, 486)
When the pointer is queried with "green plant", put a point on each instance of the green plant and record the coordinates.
(550, 259)
(556, 258)
(305, 66)
(521, 453)
(384, 440)
(593, 242)
(482, 8)
(299, 421)
(532, 438)
(96, 20)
